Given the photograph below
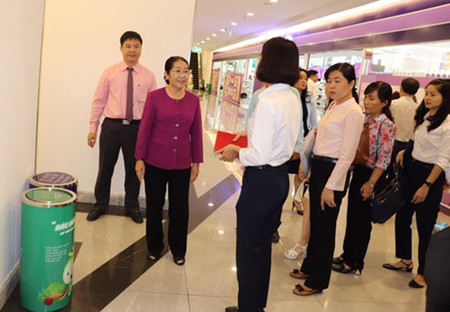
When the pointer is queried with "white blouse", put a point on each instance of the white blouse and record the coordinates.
(338, 137)
(273, 127)
(433, 147)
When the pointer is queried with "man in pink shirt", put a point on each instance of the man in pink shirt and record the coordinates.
(120, 98)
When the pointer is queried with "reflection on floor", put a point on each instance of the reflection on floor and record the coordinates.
(112, 272)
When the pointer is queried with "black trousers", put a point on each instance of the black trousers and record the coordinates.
(264, 190)
(359, 224)
(437, 272)
(426, 212)
(113, 137)
(323, 227)
(156, 181)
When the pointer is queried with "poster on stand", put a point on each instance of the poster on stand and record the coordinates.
(232, 88)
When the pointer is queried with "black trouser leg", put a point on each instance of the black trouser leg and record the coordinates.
(178, 210)
(155, 191)
(109, 152)
(258, 208)
(323, 228)
(132, 186)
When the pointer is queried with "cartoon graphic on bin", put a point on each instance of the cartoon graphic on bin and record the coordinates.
(56, 292)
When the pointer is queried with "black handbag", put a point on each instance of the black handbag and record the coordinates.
(388, 202)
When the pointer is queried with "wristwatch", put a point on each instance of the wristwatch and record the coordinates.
(428, 184)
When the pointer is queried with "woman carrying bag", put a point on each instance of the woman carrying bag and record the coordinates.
(367, 178)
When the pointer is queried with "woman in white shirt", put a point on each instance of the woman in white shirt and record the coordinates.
(424, 178)
(272, 132)
(333, 153)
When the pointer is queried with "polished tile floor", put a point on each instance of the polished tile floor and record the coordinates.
(112, 272)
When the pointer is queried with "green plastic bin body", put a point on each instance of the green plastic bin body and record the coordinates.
(47, 254)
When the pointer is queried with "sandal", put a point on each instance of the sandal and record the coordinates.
(298, 275)
(293, 254)
(300, 291)
(179, 260)
(408, 267)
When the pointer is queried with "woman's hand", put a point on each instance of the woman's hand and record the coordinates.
(229, 152)
(295, 156)
(239, 135)
(140, 169)
(420, 195)
(366, 191)
(399, 158)
(195, 169)
(301, 173)
(327, 198)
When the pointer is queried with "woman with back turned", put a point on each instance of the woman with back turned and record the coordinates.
(272, 132)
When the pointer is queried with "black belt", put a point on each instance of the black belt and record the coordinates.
(325, 158)
(124, 121)
(269, 167)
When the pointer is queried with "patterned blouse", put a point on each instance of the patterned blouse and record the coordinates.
(381, 139)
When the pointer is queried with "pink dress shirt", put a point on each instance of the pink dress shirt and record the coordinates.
(338, 137)
(170, 134)
(110, 98)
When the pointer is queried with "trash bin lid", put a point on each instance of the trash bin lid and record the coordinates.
(49, 197)
(53, 178)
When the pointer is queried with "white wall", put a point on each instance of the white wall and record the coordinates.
(81, 38)
(21, 37)
(207, 59)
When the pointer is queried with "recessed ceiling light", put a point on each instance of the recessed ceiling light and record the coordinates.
(223, 29)
(233, 23)
(203, 41)
(214, 35)
(250, 14)
(207, 38)
(274, 1)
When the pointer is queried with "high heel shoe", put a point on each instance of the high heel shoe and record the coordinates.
(338, 260)
(299, 290)
(293, 254)
(298, 209)
(408, 267)
(342, 268)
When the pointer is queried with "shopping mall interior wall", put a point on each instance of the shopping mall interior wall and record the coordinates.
(81, 39)
(207, 60)
(21, 35)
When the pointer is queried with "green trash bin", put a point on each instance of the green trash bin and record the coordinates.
(47, 254)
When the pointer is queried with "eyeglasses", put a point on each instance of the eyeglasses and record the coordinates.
(180, 72)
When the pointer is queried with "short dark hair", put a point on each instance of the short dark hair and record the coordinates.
(170, 62)
(311, 72)
(348, 71)
(384, 92)
(130, 35)
(410, 85)
(443, 87)
(279, 62)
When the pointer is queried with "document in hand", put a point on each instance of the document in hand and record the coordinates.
(225, 138)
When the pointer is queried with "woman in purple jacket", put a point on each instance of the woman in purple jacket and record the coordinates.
(168, 152)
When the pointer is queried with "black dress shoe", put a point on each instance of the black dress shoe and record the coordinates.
(179, 260)
(94, 214)
(154, 256)
(231, 309)
(275, 237)
(135, 215)
(342, 268)
(338, 260)
(414, 284)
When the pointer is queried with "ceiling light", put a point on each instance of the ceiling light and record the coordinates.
(274, 1)
(203, 41)
(207, 38)
(373, 6)
(250, 14)
(223, 29)
(233, 23)
(214, 35)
